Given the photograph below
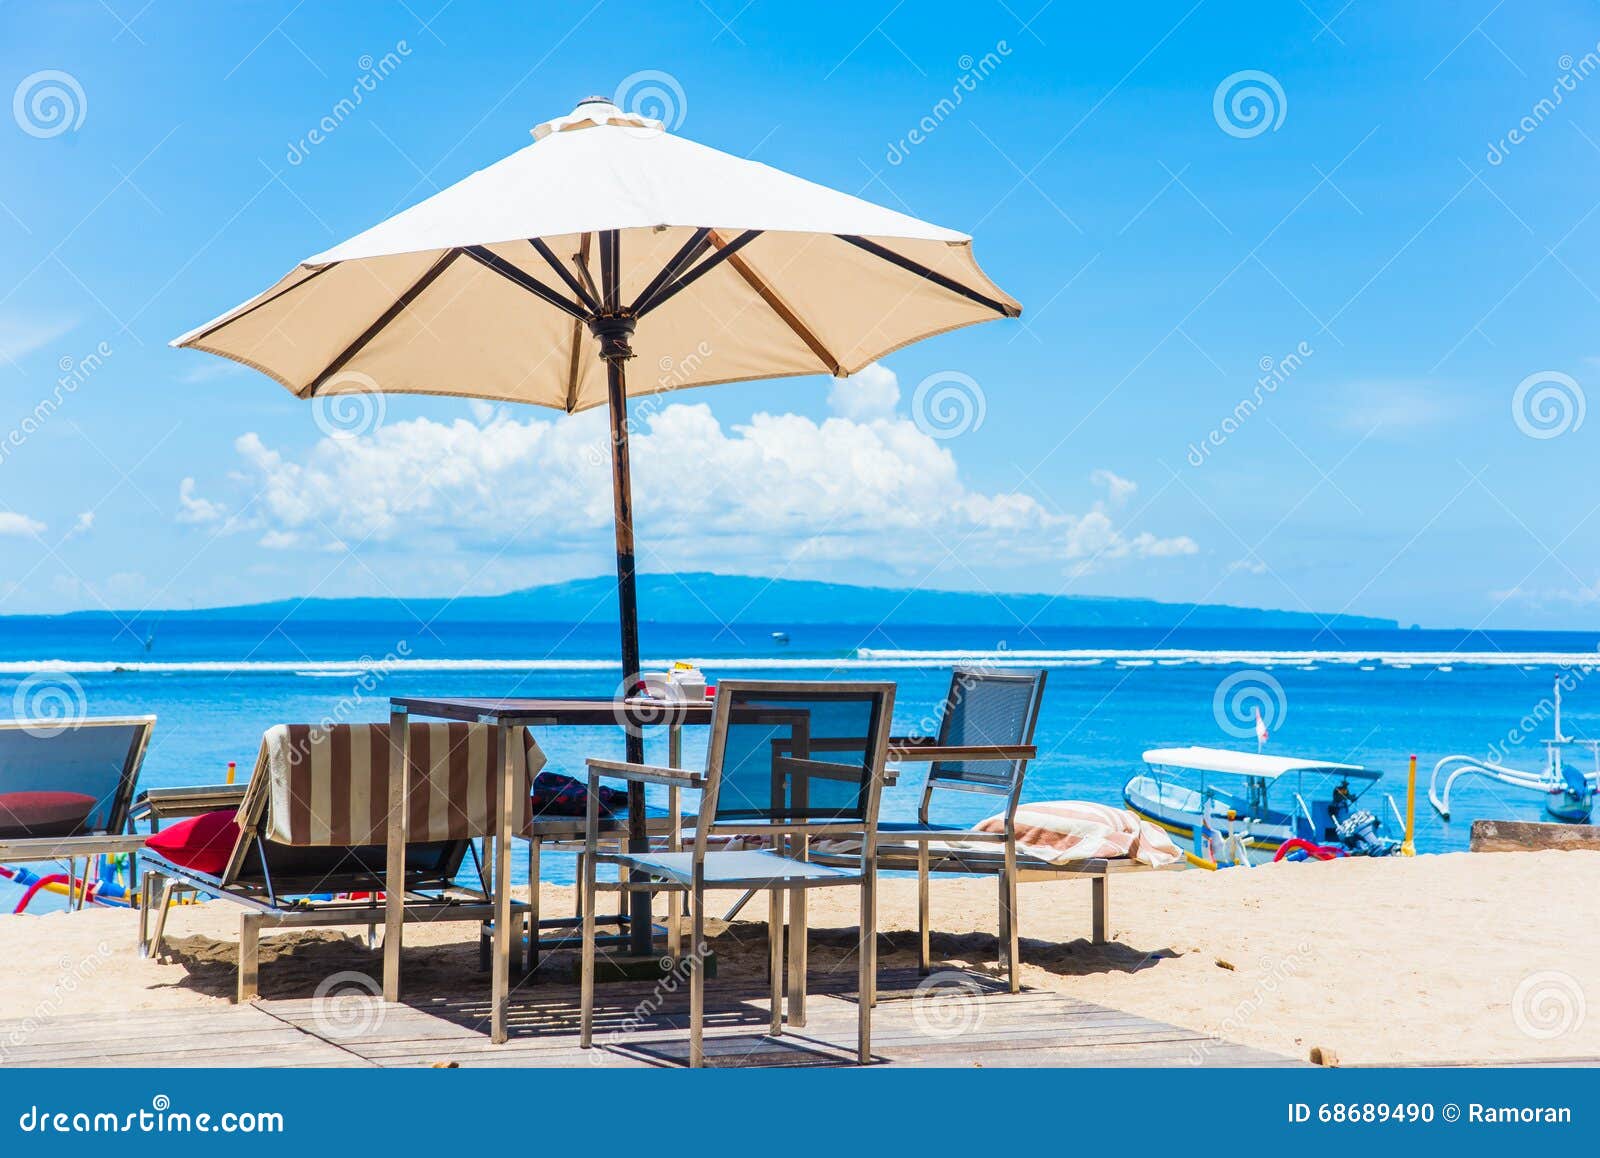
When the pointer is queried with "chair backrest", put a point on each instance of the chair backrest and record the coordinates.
(987, 706)
(94, 760)
(792, 755)
(319, 800)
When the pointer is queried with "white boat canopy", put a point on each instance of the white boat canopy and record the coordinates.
(1231, 763)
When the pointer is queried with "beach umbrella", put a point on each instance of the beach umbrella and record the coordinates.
(608, 239)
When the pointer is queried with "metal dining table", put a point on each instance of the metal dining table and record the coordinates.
(506, 714)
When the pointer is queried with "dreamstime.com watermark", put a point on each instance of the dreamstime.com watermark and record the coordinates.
(1548, 404)
(948, 404)
(1274, 373)
(72, 977)
(373, 72)
(48, 103)
(653, 94)
(1243, 1013)
(1536, 719)
(673, 373)
(974, 71)
(1248, 103)
(675, 976)
(1549, 1004)
(158, 1118)
(1244, 693)
(1573, 72)
(947, 1004)
(74, 372)
(50, 702)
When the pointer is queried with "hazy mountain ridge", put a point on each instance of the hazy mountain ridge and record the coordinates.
(703, 597)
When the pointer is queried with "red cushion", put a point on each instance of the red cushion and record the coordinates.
(24, 814)
(203, 843)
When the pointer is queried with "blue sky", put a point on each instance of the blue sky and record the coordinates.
(1422, 281)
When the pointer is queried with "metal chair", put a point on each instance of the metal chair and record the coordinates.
(984, 744)
(787, 761)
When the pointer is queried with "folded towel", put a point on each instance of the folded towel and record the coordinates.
(1066, 830)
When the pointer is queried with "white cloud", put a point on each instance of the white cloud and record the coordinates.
(873, 393)
(781, 489)
(1118, 489)
(21, 335)
(194, 509)
(12, 523)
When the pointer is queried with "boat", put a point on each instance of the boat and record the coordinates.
(780, 637)
(1568, 790)
(1227, 803)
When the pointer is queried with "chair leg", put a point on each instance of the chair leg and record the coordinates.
(578, 903)
(534, 870)
(144, 914)
(738, 905)
(697, 983)
(168, 889)
(586, 902)
(798, 935)
(775, 957)
(924, 949)
(1101, 894)
(249, 955)
(867, 950)
(1010, 950)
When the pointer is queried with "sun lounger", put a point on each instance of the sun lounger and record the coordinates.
(66, 787)
(313, 821)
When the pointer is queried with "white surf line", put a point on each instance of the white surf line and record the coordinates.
(864, 658)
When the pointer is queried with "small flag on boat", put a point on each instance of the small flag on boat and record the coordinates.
(1261, 729)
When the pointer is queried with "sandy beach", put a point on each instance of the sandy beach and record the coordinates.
(1453, 958)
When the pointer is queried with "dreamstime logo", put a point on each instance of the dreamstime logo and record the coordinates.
(1547, 404)
(356, 409)
(973, 72)
(347, 1005)
(49, 103)
(1241, 695)
(50, 702)
(654, 94)
(1548, 1005)
(947, 1004)
(373, 71)
(1274, 373)
(647, 700)
(948, 404)
(1248, 103)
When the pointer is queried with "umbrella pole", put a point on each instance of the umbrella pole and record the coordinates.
(615, 350)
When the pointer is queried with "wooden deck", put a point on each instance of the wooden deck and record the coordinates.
(960, 1019)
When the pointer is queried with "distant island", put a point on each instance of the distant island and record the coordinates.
(746, 599)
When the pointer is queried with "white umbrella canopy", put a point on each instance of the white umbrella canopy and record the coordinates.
(608, 239)
(458, 294)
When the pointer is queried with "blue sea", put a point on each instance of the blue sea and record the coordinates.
(1371, 697)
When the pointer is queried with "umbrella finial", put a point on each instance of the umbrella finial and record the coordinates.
(593, 111)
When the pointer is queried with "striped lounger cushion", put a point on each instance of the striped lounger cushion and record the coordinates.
(329, 786)
(1068, 830)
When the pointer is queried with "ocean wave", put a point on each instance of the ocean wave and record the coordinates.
(863, 658)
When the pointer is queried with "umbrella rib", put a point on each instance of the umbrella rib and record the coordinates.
(703, 268)
(581, 260)
(229, 319)
(927, 274)
(388, 315)
(565, 274)
(782, 308)
(527, 281)
(691, 250)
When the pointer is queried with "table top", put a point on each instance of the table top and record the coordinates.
(594, 711)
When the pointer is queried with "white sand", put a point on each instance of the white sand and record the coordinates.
(1466, 957)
